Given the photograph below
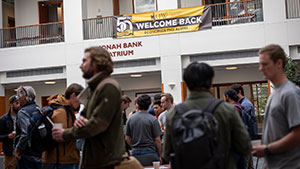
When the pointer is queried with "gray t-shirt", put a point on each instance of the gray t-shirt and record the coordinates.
(143, 128)
(281, 114)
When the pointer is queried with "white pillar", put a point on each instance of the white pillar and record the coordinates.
(73, 21)
(171, 66)
(1, 15)
(276, 31)
(2, 90)
(84, 9)
(165, 5)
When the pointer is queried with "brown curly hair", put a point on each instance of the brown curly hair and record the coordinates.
(102, 58)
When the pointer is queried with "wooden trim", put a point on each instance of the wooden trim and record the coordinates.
(222, 3)
(51, 23)
(162, 88)
(269, 87)
(183, 91)
(251, 92)
(133, 6)
(116, 7)
(97, 18)
(241, 83)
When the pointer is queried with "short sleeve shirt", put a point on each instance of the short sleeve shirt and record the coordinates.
(282, 113)
(143, 128)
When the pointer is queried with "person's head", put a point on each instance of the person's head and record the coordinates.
(167, 101)
(96, 59)
(125, 102)
(71, 94)
(157, 107)
(143, 102)
(198, 76)
(157, 97)
(26, 94)
(272, 61)
(231, 96)
(13, 104)
(239, 90)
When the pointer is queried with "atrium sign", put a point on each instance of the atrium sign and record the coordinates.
(163, 22)
(122, 49)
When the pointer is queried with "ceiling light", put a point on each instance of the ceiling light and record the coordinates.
(136, 75)
(50, 82)
(231, 68)
(15, 90)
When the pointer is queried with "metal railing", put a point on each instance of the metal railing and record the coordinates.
(292, 9)
(222, 14)
(237, 12)
(31, 35)
(101, 27)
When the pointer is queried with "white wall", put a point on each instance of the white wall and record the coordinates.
(125, 7)
(165, 5)
(73, 21)
(242, 74)
(190, 3)
(7, 11)
(26, 12)
(2, 90)
(99, 7)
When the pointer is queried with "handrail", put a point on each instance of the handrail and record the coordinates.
(42, 24)
(222, 3)
(85, 19)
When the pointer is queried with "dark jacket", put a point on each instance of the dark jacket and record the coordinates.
(6, 127)
(233, 135)
(32, 152)
(103, 135)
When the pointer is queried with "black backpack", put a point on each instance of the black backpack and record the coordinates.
(41, 132)
(196, 138)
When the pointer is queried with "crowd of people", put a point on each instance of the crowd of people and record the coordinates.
(156, 130)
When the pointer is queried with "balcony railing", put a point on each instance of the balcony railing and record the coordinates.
(31, 35)
(94, 28)
(237, 12)
(222, 14)
(292, 9)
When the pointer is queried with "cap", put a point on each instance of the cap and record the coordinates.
(12, 99)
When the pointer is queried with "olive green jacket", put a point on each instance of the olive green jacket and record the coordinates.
(104, 142)
(233, 135)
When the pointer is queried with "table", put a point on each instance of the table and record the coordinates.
(165, 166)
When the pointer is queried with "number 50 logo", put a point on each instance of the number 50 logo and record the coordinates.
(124, 26)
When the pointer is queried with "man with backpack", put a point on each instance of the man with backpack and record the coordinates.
(64, 155)
(28, 151)
(249, 108)
(207, 133)
(8, 133)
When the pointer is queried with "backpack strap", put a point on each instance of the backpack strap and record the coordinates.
(209, 107)
(181, 108)
(212, 105)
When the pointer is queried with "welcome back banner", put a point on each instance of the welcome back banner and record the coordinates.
(163, 22)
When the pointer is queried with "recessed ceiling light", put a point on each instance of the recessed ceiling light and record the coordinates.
(136, 75)
(50, 82)
(231, 68)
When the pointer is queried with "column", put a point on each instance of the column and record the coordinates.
(2, 90)
(171, 66)
(73, 21)
(165, 5)
(1, 24)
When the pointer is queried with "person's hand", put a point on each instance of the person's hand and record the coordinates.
(17, 154)
(80, 122)
(259, 150)
(57, 134)
(12, 135)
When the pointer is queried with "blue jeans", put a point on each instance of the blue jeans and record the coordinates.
(60, 166)
(27, 164)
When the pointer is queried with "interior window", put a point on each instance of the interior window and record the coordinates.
(144, 6)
